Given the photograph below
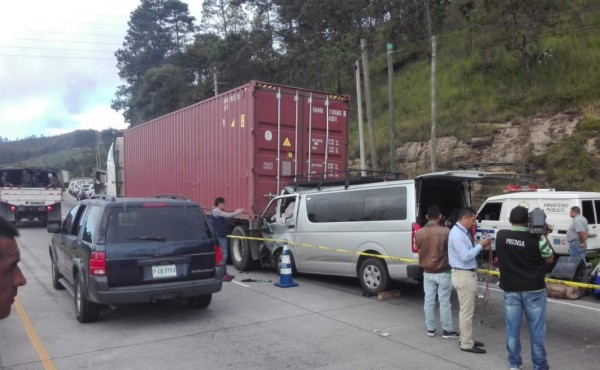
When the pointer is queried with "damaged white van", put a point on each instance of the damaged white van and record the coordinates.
(376, 218)
(493, 214)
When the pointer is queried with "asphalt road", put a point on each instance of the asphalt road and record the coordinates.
(324, 323)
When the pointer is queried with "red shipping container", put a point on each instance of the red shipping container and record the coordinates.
(245, 145)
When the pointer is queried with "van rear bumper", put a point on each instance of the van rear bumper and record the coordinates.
(151, 292)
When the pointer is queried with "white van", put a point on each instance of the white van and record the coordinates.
(378, 218)
(494, 212)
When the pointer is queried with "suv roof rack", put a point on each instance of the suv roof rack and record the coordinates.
(526, 174)
(172, 196)
(350, 177)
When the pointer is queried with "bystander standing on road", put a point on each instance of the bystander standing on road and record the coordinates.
(523, 258)
(11, 277)
(577, 234)
(462, 254)
(432, 242)
(221, 228)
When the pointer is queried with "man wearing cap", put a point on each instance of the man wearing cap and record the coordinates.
(523, 258)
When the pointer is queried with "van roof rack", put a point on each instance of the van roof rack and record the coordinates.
(350, 177)
(525, 175)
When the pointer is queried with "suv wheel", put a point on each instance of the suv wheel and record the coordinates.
(85, 311)
(373, 275)
(201, 301)
(55, 276)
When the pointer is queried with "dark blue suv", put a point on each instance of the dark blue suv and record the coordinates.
(135, 250)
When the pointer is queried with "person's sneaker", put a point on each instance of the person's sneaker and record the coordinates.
(476, 343)
(228, 277)
(431, 333)
(474, 350)
(450, 334)
(516, 367)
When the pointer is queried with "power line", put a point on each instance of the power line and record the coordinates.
(70, 41)
(57, 49)
(53, 56)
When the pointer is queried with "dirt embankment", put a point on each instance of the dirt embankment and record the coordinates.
(518, 141)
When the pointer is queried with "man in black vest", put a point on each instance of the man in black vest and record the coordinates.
(522, 259)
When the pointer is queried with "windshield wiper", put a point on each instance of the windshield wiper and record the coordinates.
(143, 237)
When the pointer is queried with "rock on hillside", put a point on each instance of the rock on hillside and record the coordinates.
(517, 141)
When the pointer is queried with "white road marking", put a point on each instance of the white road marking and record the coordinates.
(244, 285)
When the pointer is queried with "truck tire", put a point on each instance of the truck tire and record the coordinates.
(55, 276)
(85, 311)
(373, 275)
(241, 257)
(201, 301)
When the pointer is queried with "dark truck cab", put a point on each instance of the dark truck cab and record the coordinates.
(134, 250)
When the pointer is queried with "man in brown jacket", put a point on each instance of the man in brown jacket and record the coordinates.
(432, 242)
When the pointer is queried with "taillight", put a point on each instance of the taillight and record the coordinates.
(218, 256)
(48, 208)
(98, 264)
(415, 228)
(13, 208)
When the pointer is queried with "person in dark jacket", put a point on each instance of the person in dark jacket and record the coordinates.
(523, 258)
(221, 228)
(432, 242)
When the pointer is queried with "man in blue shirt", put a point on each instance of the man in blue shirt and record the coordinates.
(462, 254)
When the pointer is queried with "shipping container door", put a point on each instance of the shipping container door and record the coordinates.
(324, 136)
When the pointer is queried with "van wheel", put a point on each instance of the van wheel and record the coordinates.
(85, 311)
(373, 275)
(241, 257)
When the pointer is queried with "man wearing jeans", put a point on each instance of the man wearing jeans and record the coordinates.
(432, 242)
(577, 234)
(220, 227)
(522, 259)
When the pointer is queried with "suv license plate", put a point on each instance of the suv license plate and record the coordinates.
(164, 271)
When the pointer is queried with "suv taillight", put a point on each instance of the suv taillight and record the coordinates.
(98, 264)
(218, 256)
(415, 228)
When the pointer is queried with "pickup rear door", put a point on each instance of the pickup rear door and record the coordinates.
(158, 243)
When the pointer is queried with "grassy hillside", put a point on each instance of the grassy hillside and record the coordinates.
(485, 85)
(75, 151)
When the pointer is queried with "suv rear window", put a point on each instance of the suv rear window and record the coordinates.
(169, 223)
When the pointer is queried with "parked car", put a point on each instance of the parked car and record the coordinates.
(134, 250)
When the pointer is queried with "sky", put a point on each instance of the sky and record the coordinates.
(57, 66)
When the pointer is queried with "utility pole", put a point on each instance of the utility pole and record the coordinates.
(390, 63)
(361, 138)
(216, 83)
(365, 60)
(433, 113)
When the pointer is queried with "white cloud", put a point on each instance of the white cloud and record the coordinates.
(57, 66)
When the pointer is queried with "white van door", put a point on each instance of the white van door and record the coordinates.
(489, 218)
(590, 209)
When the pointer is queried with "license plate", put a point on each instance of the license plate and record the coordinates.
(164, 271)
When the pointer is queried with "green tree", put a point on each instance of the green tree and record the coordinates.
(223, 17)
(158, 30)
(520, 25)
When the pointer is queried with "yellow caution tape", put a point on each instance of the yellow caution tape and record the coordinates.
(407, 260)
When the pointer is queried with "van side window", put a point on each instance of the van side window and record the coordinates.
(359, 205)
(490, 212)
(587, 211)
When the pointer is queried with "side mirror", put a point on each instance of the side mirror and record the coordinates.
(53, 228)
(266, 227)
